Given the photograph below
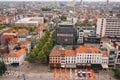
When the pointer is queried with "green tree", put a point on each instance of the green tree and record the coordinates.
(31, 57)
(35, 50)
(42, 57)
(3, 67)
(41, 51)
(117, 73)
(43, 40)
(46, 49)
(63, 18)
(46, 9)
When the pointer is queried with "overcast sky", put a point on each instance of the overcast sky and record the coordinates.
(62, 0)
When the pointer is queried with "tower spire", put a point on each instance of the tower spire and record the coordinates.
(81, 3)
(107, 5)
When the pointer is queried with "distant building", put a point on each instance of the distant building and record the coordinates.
(26, 44)
(30, 21)
(87, 35)
(108, 27)
(22, 34)
(92, 38)
(65, 33)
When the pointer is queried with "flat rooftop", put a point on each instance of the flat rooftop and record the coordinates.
(31, 20)
(110, 47)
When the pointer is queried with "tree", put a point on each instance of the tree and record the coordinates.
(46, 9)
(31, 57)
(3, 67)
(46, 49)
(43, 40)
(117, 73)
(35, 50)
(63, 18)
(41, 51)
(42, 57)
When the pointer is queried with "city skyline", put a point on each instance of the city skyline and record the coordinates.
(66, 0)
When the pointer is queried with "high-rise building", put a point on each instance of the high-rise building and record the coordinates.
(108, 27)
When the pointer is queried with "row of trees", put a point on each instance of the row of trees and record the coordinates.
(40, 52)
(31, 28)
(3, 67)
(46, 9)
(83, 24)
(3, 26)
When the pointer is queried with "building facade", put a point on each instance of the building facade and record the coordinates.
(65, 34)
(15, 57)
(83, 55)
(108, 26)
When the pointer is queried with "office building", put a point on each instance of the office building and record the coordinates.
(65, 34)
(108, 27)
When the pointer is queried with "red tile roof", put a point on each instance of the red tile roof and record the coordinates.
(87, 49)
(56, 52)
(16, 54)
(23, 31)
(24, 42)
(105, 54)
(10, 38)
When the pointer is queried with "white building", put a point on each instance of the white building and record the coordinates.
(30, 21)
(80, 36)
(112, 53)
(118, 53)
(70, 58)
(83, 55)
(15, 57)
(90, 55)
(108, 26)
(72, 19)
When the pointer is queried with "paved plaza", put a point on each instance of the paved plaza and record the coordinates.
(33, 72)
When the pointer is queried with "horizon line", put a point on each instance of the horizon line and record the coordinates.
(52, 1)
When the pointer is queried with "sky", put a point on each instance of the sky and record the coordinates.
(63, 0)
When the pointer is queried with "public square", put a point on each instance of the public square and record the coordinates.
(28, 71)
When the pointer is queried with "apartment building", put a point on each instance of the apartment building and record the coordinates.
(91, 55)
(62, 57)
(15, 57)
(83, 55)
(112, 46)
(108, 26)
